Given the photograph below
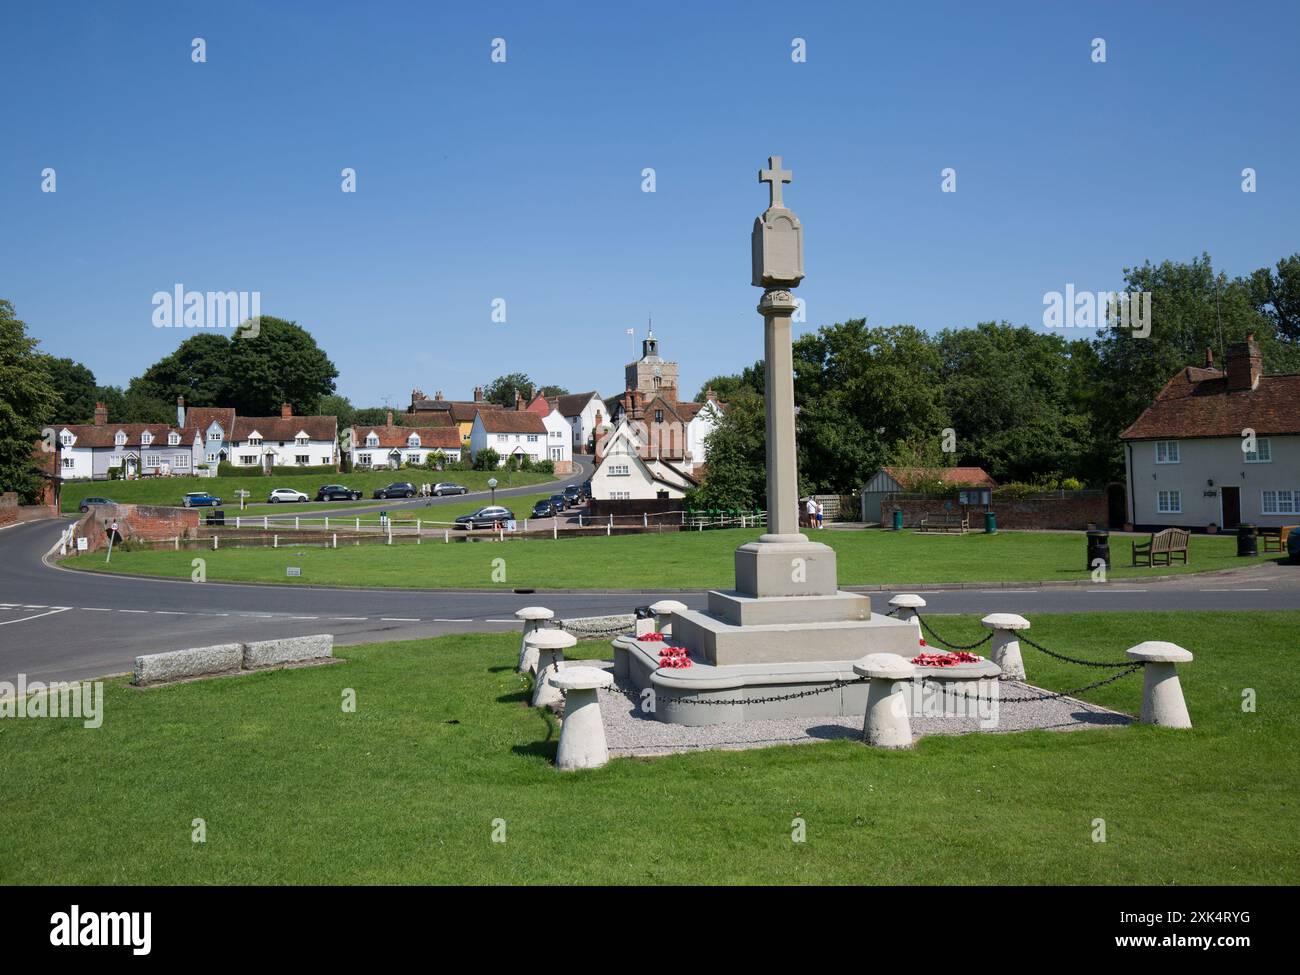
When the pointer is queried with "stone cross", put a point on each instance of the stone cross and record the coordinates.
(774, 177)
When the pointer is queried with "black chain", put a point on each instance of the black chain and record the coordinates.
(832, 686)
(1060, 694)
(1074, 660)
(953, 646)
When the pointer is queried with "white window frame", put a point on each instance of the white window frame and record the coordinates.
(1169, 502)
(146, 438)
(153, 460)
(1262, 454)
(620, 470)
(69, 463)
(302, 460)
(181, 462)
(1171, 451)
(119, 439)
(173, 439)
(1289, 506)
(363, 460)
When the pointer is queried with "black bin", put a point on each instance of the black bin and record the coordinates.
(1098, 548)
(643, 613)
(216, 517)
(1247, 540)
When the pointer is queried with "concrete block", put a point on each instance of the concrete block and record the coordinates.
(157, 668)
(294, 649)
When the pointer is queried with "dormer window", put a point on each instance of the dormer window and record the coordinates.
(214, 435)
(413, 440)
(301, 440)
(372, 439)
(66, 438)
(173, 438)
(255, 440)
(120, 438)
(146, 438)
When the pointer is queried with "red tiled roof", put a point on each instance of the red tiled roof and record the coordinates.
(89, 435)
(439, 438)
(571, 404)
(510, 421)
(201, 417)
(1196, 403)
(285, 428)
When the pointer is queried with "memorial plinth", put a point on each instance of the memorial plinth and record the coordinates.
(786, 623)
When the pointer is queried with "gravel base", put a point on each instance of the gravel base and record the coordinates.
(628, 731)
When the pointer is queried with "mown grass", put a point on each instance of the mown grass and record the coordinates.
(442, 745)
(171, 490)
(672, 559)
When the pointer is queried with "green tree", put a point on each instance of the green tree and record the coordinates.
(340, 406)
(487, 459)
(736, 476)
(728, 387)
(1276, 294)
(76, 387)
(549, 391)
(281, 364)
(28, 401)
(502, 389)
(198, 370)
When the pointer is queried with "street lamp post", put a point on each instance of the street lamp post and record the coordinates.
(492, 483)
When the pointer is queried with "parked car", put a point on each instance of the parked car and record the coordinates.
(337, 492)
(544, 508)
(558, 501)
(1293, 545)
(200, 499)
(446, 487)
(402, 489)
(287, 495)
(586, 490)
(87, 502)
(486, 517)
(573, 495)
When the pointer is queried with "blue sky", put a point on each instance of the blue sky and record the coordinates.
(478, 180)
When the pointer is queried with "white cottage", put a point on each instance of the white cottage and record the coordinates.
(626, 472)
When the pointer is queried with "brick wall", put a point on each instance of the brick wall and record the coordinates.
(11, 512)
(659, 509)
(142, 522)
(1068, 513)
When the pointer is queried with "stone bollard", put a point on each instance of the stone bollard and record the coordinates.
(534, 618)
(886, 724)
(1162, 694)
(908, 603)
(664, 611)
(582, 733)
(1005, 651)
(550, 645)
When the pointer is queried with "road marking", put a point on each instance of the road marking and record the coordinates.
(25, 619)
(438, 619)
(133, 610)
(169, 612)
(32, 606)
(399, 619)
(1115, 590)
(1232, 590)
(96, 609)
(353, 618)
(1009, 590)
(304, 617)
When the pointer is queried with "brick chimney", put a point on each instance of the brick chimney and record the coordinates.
(101, 414)
(180, 412)
(286, 411)
(438, 395)
(388, 420)
(1245, 364)
(518, 400)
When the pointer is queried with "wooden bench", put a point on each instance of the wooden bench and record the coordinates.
(1161, 547)
(1277, 543)
(946, 523)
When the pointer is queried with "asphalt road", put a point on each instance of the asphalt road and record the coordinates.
(64, 624)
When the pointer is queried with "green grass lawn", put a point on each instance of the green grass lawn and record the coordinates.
(672, 559)
(170, 490)
(407, 788)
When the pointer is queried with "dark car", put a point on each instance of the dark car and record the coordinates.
(573, 495)
(1293, 545)
(487, 517)
(404, 489)
(87, 502)
(200, 499)
(586, 490)
(558, 501)
(544, 508)
(446, 487)
(337, 492)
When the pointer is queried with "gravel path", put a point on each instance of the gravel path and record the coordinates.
(630, 732)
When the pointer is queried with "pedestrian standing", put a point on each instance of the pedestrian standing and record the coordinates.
(819, 515)
(812, 511)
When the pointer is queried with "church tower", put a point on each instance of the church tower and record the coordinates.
(650, 374)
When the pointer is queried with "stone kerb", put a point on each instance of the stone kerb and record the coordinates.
(230, 658)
